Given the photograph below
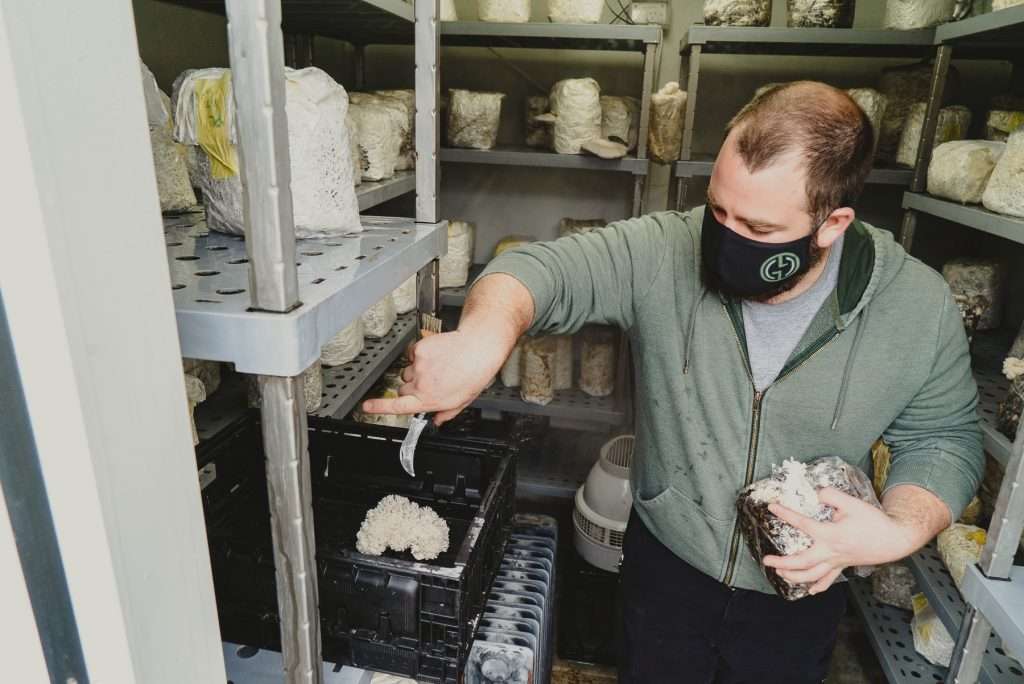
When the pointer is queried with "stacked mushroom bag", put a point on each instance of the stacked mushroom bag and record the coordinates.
(737, 12)
(407, 149)
(874, 105)
(575, 11)
(620, 120)
(960, 169)
(454, 266)
(384, 129)
(474, 118)
(915, 14)
(903, 86)
(1005, 191)
(668, 108)
(538, 133)
(512, 11)
(819, 13)
(323, 191)
(345, 346)
(952, 125)
(172, 182)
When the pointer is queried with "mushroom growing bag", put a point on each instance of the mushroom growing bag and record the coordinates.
(323, 191)
(795, 485)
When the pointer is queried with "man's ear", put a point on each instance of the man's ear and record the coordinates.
(835, 225)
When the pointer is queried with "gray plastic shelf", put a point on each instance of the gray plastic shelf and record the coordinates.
(372, 193)
(541, 34)
(889, 632)
(361, 22)
(808, 41)
(339, 278)
(988, 353)
(934, 580)
(1002, 604)
(344, 386)
(703, 166)
(976, 217)
(1005, 27)
(456, 296)
(526, 156)
(571, 406)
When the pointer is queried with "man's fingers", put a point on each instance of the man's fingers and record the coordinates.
(401, 406)
(803, 576)
(837, 499)
(805, 560)
(406, 390)
(825, 582)
(407, 374)
(801, 522)
(443, 417)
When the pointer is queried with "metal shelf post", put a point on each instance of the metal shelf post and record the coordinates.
(640, 181)
(428, 130)
(927, 142)
(257, 65)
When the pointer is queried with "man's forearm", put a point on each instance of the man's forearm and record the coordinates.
(917, 511)
(498, 308)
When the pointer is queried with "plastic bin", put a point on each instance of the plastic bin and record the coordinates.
(388, 613)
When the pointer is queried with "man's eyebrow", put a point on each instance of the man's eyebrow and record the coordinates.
(749, 222)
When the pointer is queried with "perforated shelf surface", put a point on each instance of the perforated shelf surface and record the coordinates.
(339, 279)
(344, 386)
(888, 630)
(934, 580)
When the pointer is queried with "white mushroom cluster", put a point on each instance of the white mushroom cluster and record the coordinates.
(399, 524)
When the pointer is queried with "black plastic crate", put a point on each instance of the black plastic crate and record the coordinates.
(389, 613)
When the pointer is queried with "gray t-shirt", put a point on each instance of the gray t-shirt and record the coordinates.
(773, 330)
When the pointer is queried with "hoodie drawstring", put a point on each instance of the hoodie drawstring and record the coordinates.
(848, 369)
(691, 328)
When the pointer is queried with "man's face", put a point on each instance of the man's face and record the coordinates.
(768, 205)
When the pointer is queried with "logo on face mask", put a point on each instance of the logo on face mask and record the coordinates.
(779, 267)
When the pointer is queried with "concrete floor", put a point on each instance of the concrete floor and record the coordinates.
(852, 663)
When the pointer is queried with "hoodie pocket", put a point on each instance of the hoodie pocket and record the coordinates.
(684, 527)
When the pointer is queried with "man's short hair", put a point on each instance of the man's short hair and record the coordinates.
(829, 129)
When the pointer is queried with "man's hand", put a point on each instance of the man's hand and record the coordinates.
(448, 371)
(859, 534)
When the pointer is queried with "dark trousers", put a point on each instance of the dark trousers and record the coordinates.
(682, 626)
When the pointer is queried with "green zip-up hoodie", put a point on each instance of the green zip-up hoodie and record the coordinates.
(885, 356)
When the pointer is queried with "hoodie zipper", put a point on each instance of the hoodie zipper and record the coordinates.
(755, 429)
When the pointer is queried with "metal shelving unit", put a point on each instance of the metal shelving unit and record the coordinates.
(979, 218)
(569, 408)
(994, 587)
(268, 302)
(988, 352)
(888, 629)
(338, 279)
(616, 37)
(934, 580)
(767, 41)
(527, 156)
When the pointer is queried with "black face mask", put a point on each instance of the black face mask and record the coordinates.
(740, 267)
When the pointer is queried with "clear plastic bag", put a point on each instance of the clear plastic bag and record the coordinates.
(344, 346)
(960, 169)
(474, 119)
(981, 283)
(795, 485)
(576, 110)
(378, 319)
(454, 265)
(668, 110)
(893, 584)
(620, 119)
(915, 14)
(538, 370)
(931, 638)
(819, 13)
(563, 362)
(512, 11)
(598, 357)
(953, 125)
(1005, 191)
(538, 133)
(575, 11)
(737, 12)
(960, 547)
(404, 296)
